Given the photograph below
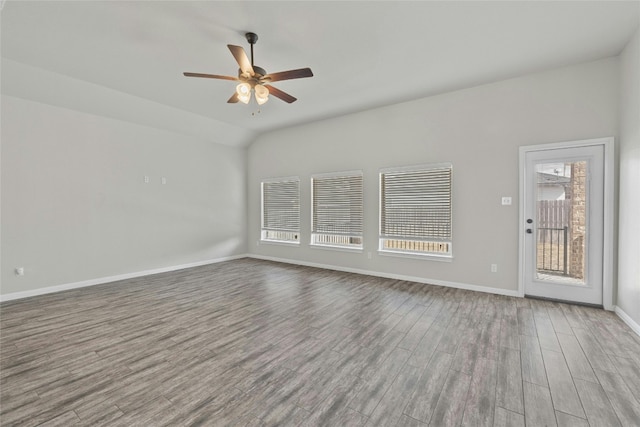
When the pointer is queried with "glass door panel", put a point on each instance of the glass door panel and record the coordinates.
(561, 221)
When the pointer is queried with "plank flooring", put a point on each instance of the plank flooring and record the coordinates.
(257, 343)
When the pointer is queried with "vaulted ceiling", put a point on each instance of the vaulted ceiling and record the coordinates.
(363, 54)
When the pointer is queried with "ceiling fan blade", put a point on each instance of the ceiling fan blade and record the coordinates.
(233, 99)
(210, 76)
(280, 94)
(288, 75)
(242, 58)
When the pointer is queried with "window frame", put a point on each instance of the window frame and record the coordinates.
(263, 231)
(340, 247)
(407, 253)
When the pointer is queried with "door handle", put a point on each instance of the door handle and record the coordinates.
(529, 221)
(529, 231)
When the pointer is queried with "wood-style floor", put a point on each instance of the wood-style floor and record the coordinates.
(252, 342)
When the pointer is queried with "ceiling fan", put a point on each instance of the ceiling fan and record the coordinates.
(255, 79)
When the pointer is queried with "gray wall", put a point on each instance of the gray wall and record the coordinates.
(629, 195)
(75, 206)
(479, 130)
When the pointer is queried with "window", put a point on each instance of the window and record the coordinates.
(337, 210)
(415, 210)
(281, 210)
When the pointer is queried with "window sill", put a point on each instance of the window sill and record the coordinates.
(279, 242)
(428, 257)
(335, 248)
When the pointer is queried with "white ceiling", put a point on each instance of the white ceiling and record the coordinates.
(364, 54)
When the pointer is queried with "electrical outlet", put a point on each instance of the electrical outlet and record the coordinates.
(494, 268)
(506, 201)
(19, 271)
(146, 179)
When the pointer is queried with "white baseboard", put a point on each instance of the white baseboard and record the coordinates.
(102, 280)
(469, 287)
(628, 320)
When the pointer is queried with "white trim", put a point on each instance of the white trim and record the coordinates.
(447, 284)
(416, 255)
(102, 280)
(628, 320)
(336, 248)
(521, 225)
(567, 144)
(283, 179)
(609, 221)
(337, 174)
(419, 167)
(280, 242)
(609, 188)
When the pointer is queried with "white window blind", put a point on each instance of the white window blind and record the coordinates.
(415, 210)
(337, 210)
(281, 210)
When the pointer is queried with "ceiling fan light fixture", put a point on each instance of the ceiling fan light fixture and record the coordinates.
(262, 94)
(244, 92)
(252, 78)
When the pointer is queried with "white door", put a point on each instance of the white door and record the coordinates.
(563, 223)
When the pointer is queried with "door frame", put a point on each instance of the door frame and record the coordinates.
(608, 213)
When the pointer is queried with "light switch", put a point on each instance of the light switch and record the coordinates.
(506, 201)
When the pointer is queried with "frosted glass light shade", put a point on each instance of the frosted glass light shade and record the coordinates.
(244, 92)
(262, 94)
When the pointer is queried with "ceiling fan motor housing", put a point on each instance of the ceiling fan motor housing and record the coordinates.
(259, 71)
(252, 38)
(257, 77)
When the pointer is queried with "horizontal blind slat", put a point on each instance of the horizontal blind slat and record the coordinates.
(416, 204)
(281, 205)
(337, 205)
